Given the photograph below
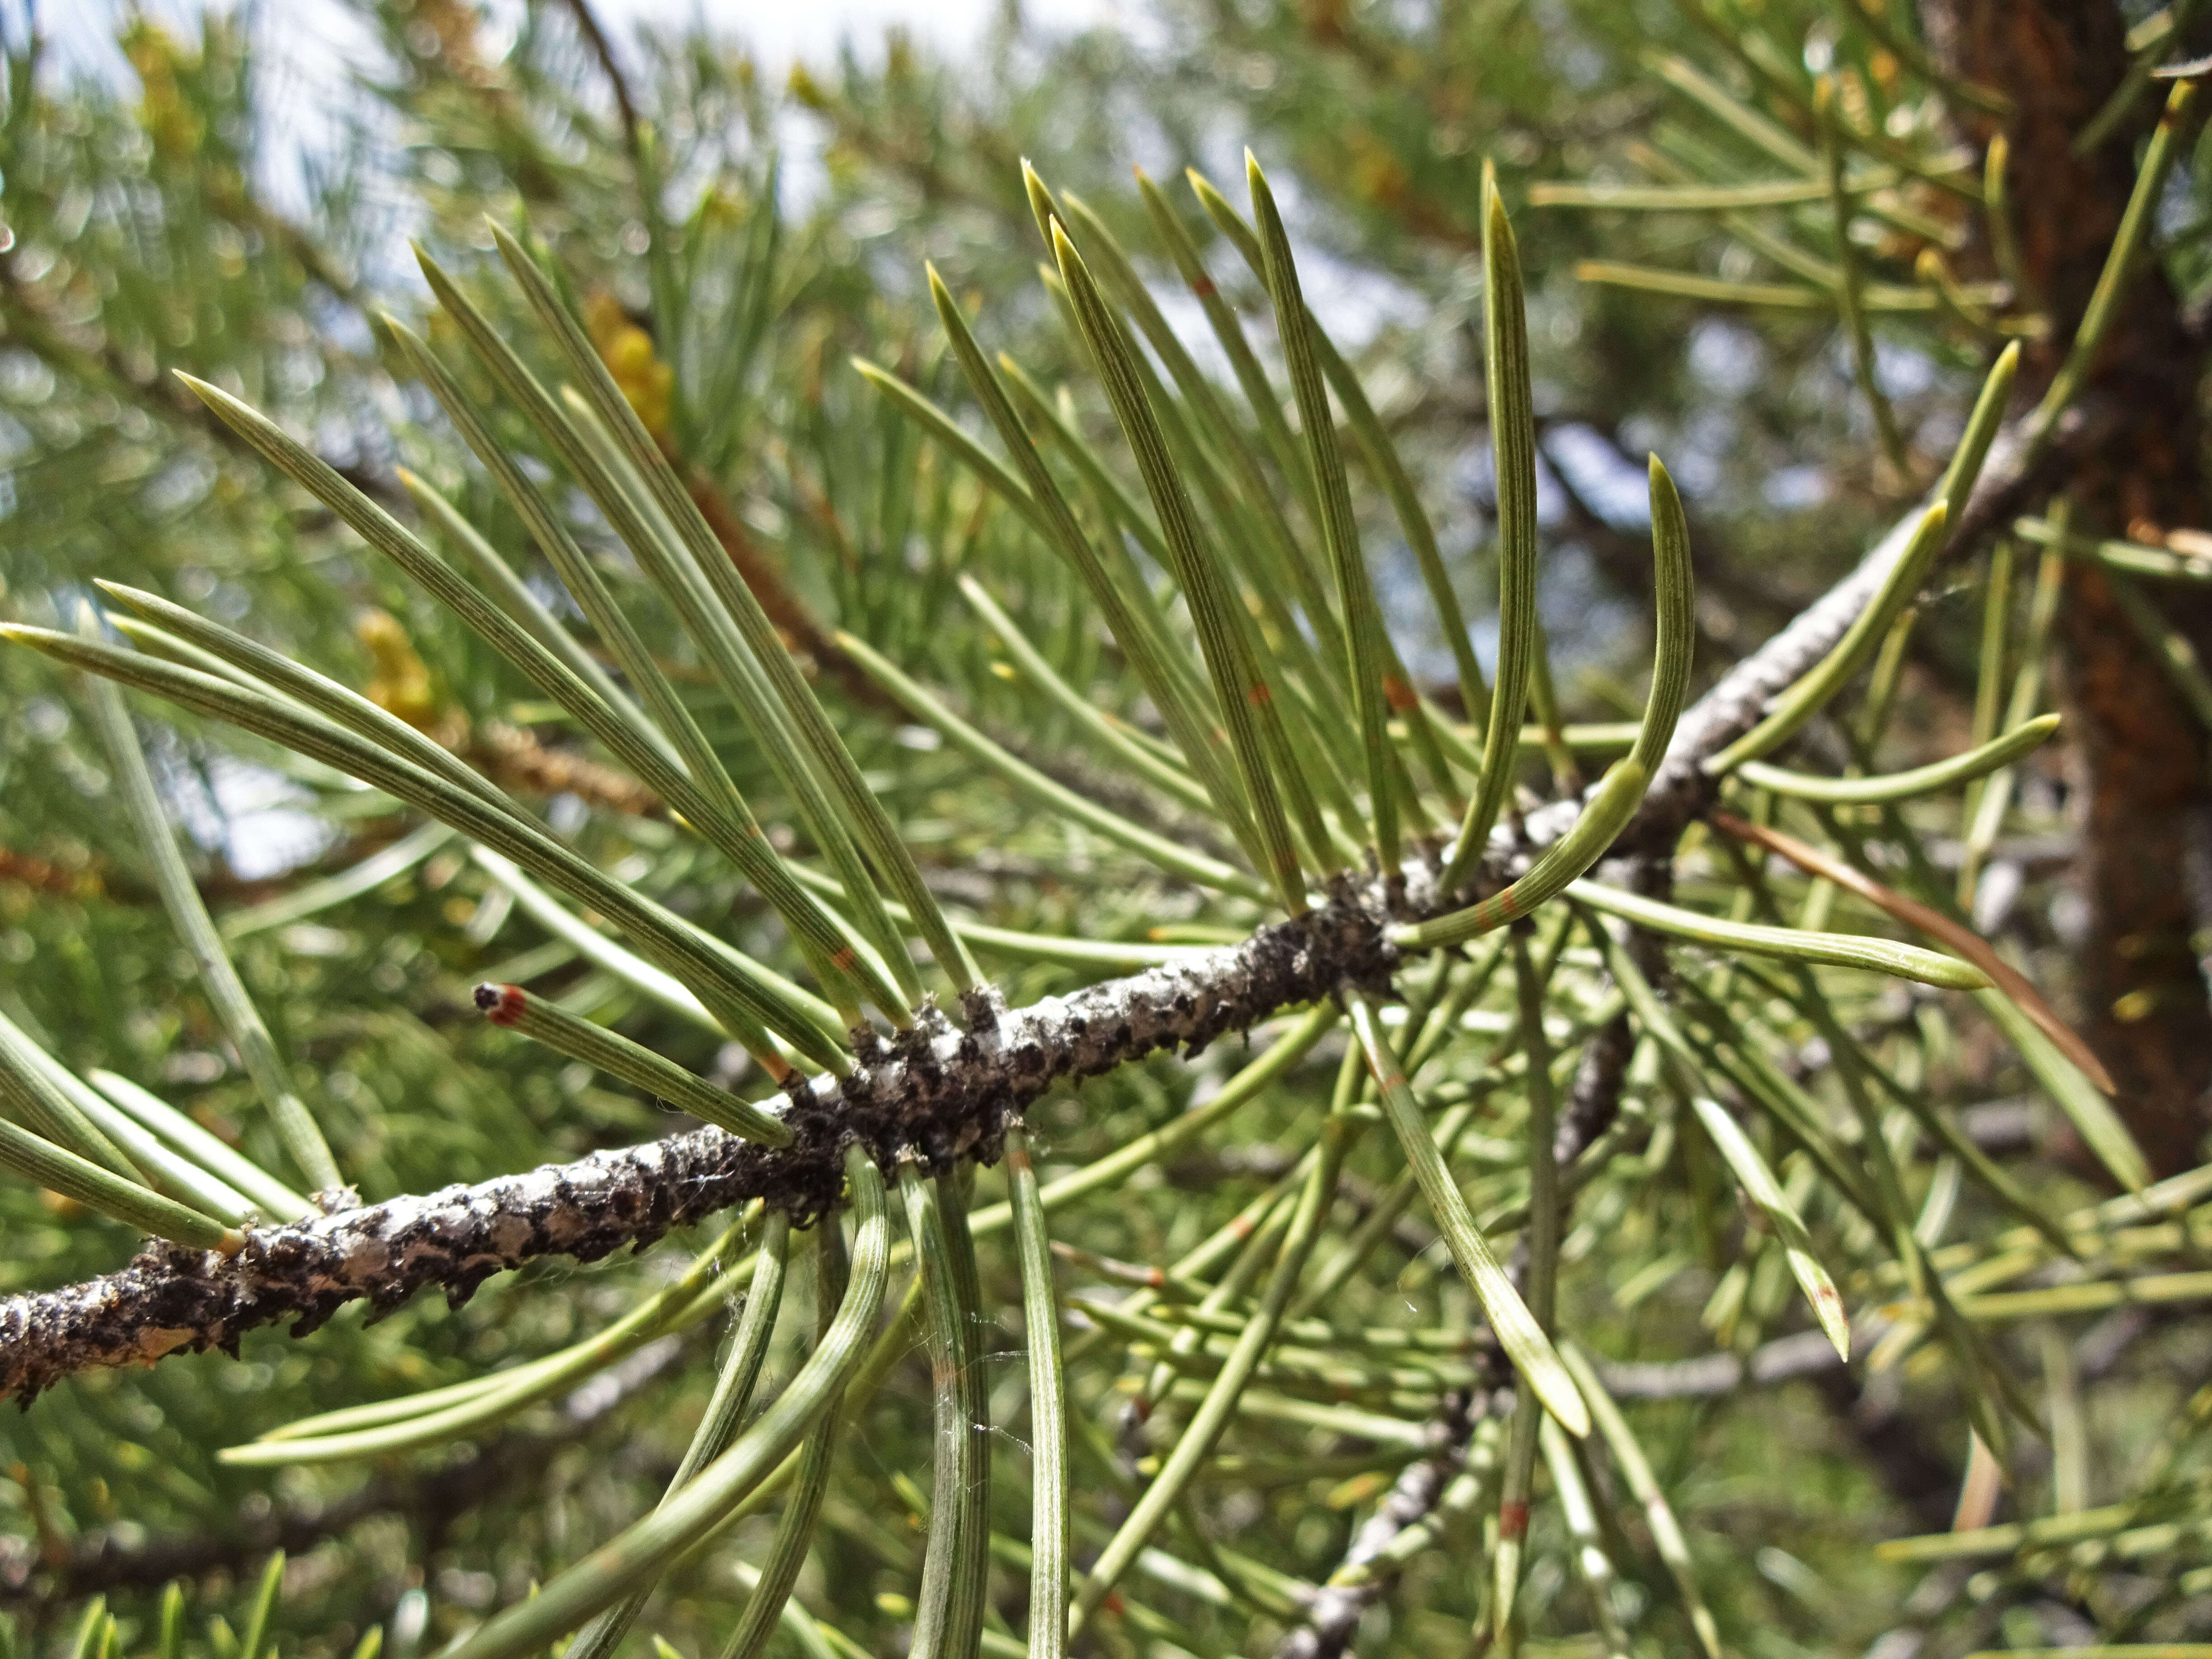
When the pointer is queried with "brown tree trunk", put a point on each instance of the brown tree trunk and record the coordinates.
(2139, 757)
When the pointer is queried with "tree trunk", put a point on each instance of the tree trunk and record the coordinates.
(2138, 756)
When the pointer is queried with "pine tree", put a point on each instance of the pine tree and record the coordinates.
(1310, 1009)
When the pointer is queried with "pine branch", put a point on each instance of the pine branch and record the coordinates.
(1802, 1354)
(946, 1093)
(1333, 1618)
(2018, 468)
(602, 51)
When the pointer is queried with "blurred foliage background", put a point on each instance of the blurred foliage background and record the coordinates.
(735, 235)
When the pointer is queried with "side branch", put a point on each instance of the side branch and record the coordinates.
(2018, 466)
(1364, 1573)
(1332, 1618)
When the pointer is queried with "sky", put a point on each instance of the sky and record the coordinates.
(309, 49)
(315, 34)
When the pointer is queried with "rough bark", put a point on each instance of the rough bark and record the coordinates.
(2138, 756)
(945, 1094)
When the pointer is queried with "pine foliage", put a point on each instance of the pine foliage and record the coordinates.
(981, 934)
